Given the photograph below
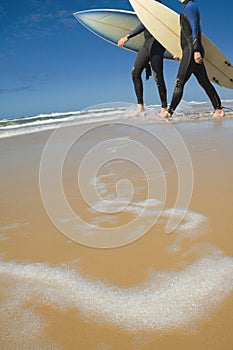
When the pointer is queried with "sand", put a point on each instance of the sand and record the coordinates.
(157, 291)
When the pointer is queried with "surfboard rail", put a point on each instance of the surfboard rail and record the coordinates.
(111, 25)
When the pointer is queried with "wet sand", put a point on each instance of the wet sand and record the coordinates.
(28, 236)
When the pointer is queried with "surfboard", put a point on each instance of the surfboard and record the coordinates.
(164, 24)
(111, 25)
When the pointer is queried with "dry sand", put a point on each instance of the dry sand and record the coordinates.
(40, 311)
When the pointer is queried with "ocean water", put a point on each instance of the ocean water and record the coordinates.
(186, 112)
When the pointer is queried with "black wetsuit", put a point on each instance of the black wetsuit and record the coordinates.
(151, 51)
(190, 43)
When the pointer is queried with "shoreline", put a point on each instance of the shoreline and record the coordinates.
(109, 114)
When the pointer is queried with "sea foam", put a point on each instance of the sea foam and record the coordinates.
(110, 112)
(168, 300)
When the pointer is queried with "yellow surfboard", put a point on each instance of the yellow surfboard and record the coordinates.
(164, 24)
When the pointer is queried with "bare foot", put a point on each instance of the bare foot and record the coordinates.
(219, 113)
(140, 109)
(164, 114)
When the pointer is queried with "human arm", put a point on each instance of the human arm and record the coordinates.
(138, 30)
(192, 13)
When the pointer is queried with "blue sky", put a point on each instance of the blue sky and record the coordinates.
(50, 63)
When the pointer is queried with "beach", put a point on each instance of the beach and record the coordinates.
(101, 282)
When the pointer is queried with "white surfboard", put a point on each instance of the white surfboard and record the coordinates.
(164, 25)
(111, 25)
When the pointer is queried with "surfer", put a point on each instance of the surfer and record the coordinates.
(151, 51)
(192, 59)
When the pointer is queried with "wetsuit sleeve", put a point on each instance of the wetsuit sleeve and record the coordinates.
(193, 15)
(139, 29)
